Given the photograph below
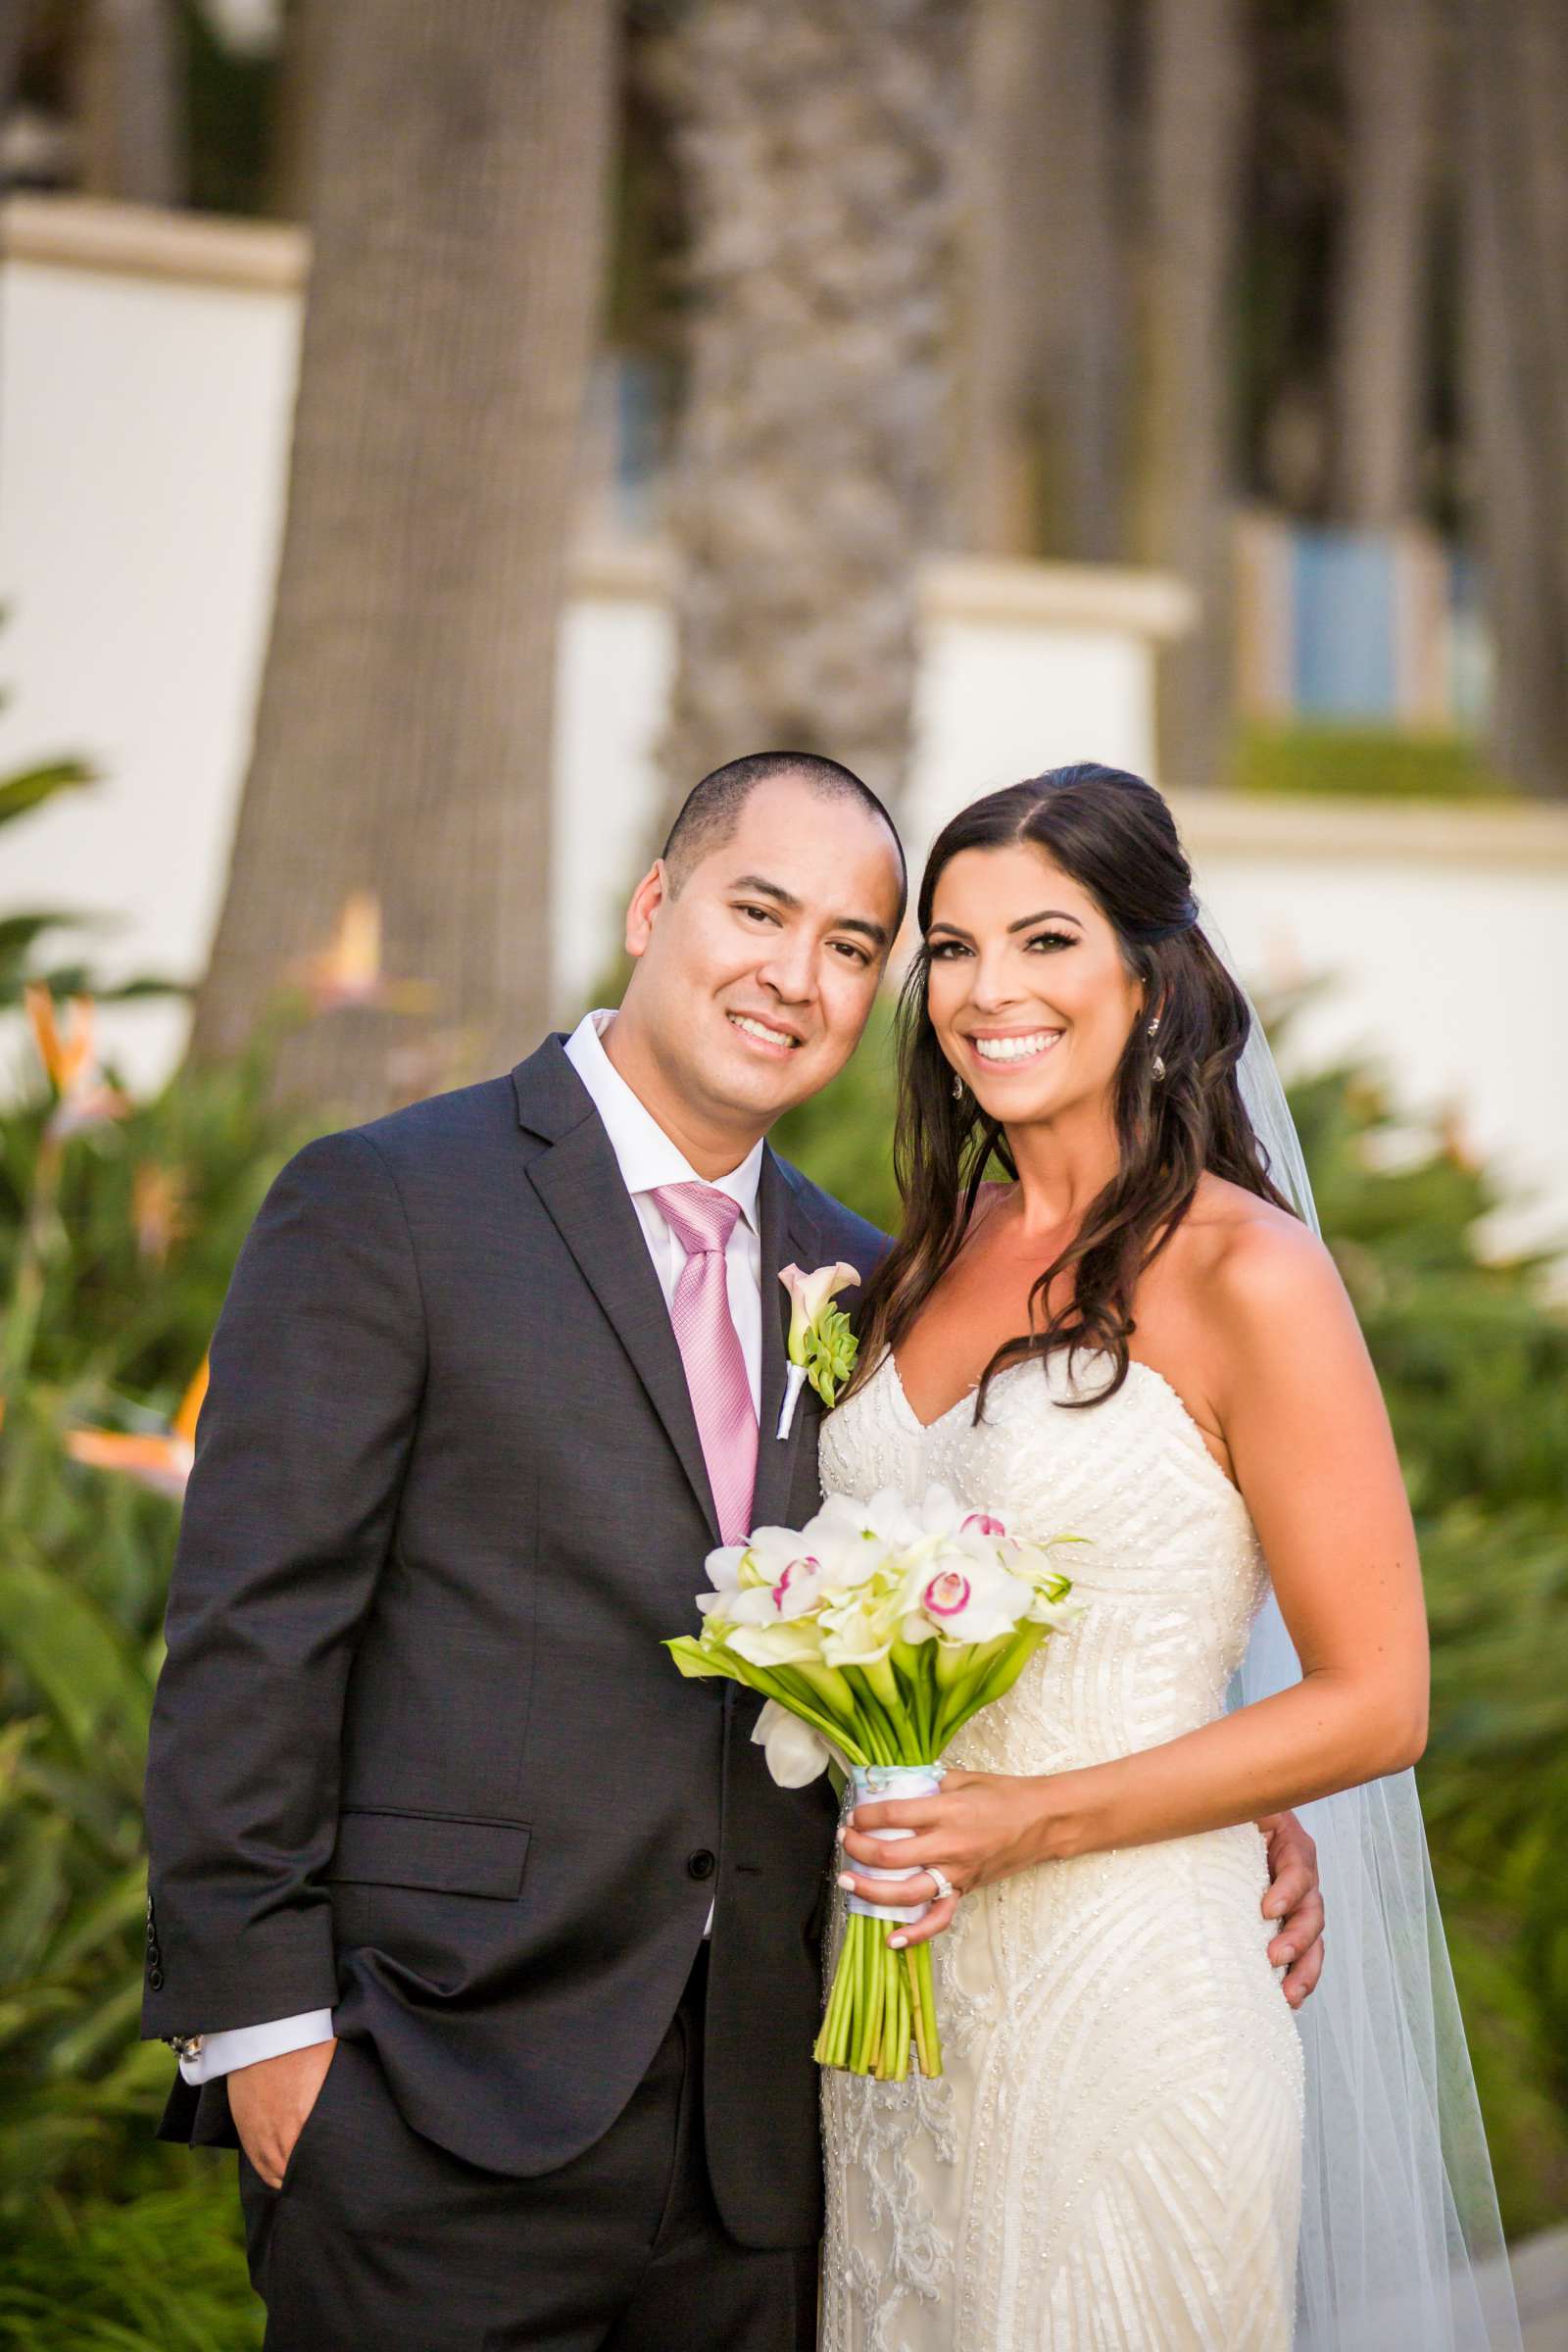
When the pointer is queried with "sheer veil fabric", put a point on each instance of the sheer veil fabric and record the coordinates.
(1400, 2240)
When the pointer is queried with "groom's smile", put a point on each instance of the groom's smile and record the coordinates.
(775, 1040)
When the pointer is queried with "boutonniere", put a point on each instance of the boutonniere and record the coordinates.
(821, 1346)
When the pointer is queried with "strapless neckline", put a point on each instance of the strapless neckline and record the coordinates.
(1159, 1386)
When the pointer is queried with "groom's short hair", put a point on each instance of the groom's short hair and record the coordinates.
(711, 810)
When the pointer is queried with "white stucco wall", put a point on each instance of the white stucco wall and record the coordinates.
(146, 377)
(147, 365)
(1439, 936)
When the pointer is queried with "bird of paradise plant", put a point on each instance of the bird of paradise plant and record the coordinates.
(160, 1210)
(349, 970)
(83, 1099)
(84, 1094)
(161, 1460)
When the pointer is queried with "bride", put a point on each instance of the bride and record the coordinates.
(1136, 1340)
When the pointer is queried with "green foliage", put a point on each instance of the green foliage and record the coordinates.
(20, 932)
(21, 794)
(164, 2267)
(1362, 763)
(105, 2237)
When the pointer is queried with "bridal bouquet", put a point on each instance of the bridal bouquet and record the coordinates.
(875, 1633)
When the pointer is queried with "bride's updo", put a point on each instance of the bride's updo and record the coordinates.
(1116, 837)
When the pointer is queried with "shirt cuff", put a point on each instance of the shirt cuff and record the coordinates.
(248, 2045)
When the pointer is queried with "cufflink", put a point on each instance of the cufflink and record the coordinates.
(186, 2046)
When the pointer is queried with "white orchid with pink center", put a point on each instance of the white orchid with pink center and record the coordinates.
(874, 1632)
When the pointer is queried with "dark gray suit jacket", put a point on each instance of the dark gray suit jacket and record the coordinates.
(417, 1752)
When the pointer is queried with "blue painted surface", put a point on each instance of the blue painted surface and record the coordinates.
(1344, 661)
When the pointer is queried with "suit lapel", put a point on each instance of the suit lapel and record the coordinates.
(579, 1184)
(789, 1234)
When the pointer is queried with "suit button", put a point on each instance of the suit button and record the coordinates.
(155, 1977)
(702, 1864)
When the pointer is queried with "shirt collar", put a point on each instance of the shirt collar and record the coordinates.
(644, 1152)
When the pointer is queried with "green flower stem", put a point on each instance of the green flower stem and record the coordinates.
(833, 1692)
(1002, 1673)
(915, 1679)
(919, 1957)
(884, 1685)
(794, 1687)
(860, 2033)
(869, 1708)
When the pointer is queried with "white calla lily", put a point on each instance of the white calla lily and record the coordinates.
(796, 1754)
(798, 1643)
(809, 1295)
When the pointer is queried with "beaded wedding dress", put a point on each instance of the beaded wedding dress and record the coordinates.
(1111, 2161)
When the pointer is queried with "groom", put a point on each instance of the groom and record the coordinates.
(488, 1937)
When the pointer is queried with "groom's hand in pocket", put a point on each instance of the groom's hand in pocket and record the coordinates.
(269, 2102)
(1294, 1901)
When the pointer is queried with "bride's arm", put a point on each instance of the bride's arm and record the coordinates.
(1313, 1454)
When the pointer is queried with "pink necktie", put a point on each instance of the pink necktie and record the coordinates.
(702, 1221)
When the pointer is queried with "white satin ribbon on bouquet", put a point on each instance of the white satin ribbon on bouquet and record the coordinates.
(869, 1783)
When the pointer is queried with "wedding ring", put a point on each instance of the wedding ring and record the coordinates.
(940, 1880)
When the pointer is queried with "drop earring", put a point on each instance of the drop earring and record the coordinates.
(1159, 1059)
(958, 1088)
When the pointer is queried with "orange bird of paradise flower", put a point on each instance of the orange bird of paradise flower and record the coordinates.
(161, 1462)
(159, 1209)
(348, 970)
(84, 1097)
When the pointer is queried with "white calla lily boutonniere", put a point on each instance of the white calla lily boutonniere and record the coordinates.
(821, 1346)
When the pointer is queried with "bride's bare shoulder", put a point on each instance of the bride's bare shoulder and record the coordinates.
(1254, 1260)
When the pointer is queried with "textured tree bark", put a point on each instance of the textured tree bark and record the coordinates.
(1390, 51)
(1516, 328)
(13, 19)
(818, 147)
(1045, 295)
(131, 100)
(403, 737)
(299, 78)
(1196, 83)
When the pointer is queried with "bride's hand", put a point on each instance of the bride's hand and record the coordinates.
(981, 1826)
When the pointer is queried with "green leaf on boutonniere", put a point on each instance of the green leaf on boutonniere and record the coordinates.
(830, 1347)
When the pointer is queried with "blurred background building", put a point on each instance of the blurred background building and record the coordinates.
(1234, 507)
(434, 432)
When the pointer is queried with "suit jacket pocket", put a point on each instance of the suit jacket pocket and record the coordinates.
(436, 1852)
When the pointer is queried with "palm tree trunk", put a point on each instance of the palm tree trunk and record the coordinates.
(131, 100)
(1516, 321)
(403, 738)
(818, 146)
(12, 31)
(1390, 51)
(1045, 297)
(1196, 79)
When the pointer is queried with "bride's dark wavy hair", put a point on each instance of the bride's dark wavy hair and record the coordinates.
(1115, 836)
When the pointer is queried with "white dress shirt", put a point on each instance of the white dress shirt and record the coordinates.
(646, 1158)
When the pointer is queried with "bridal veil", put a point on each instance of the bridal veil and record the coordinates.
(1401, 2246)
